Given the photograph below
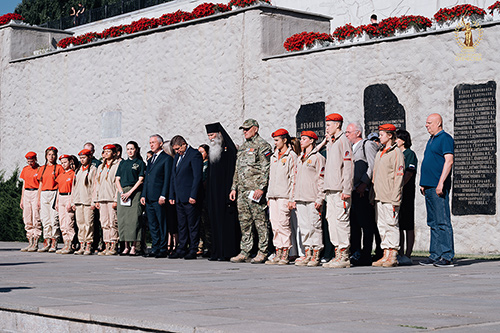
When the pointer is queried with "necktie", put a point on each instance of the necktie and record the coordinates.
(153, 159)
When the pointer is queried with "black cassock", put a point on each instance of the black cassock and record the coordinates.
(222, 212)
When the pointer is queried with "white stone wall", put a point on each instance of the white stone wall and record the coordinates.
(177, 80)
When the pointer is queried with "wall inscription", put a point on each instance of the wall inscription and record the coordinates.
(382, 107)
(474, 171)
(311, 117)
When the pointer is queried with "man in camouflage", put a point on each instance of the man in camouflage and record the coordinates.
(251, 174)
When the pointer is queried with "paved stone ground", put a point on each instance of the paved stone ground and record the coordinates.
(134, 293)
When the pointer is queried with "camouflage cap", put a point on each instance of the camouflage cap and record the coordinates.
(249, 123)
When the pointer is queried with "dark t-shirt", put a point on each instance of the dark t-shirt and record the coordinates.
(411, 162)
(129, 171)
(432, 166)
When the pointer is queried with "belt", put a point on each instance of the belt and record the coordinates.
(69, 193)
(49, 190)
(31, 189)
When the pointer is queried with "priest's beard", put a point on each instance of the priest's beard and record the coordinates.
(216, 148)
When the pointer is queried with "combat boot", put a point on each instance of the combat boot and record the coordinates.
(53, 246)
(105, 251)
(68, 249)
(343, 261)
(63, 249)
(46, 245)
(303, 261)
(34, 245)
(275, 259)
(239, 258)
(260, 258)
(284, 256)
(88, 249)
(81, 250)
(315, 260)
(30, 244)
(111, 249)
(391, 259)
(380, 262)
(335, 259)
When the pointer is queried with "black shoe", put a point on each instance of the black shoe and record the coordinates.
(150, 255)
(213, 259)
(206, 254)
(162, 255)
(176, 255)
(190, 256)
(427, 262)
(444, 263)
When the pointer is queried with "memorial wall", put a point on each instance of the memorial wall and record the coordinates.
(231, 67)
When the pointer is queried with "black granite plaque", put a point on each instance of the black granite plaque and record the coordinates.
(311, 117)
(382, 107)
(474, 170)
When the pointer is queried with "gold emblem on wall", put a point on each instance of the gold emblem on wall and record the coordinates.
(468, 36)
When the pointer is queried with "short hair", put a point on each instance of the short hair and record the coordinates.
(405, 136)
(167, 148)
(357, 126)
(177, 141)
(90, 144)
(158, 136)
(373, 17)
(205, 147)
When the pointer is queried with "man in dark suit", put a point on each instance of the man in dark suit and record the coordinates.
(184, 186)
(154, 195)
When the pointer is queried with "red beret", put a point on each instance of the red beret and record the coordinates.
(387, 128)
(52, 148)
(109, 147)
(64, 156)
(310, 134)
(30, 154)
(334, 117)
(87, 152)
(280, 132)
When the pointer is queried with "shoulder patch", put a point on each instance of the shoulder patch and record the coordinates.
(267, 153)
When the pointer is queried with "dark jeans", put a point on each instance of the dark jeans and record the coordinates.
(363, 225)
(439, 220)
(157, 226)
(188, 216)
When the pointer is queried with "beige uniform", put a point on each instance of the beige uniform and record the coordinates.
(82, 199)
(309, 190)
(280, 192)
(106, 194)
(388, 187)
(339, 172)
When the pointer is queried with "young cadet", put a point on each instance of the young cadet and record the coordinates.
(105, 199)
(46, 199)
(387, 180)
(66, 215)
(81, 200)
(31, 214)
(280, 195)
(309, 196)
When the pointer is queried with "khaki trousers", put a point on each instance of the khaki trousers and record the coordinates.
(66, 219)
(310, 225)
(31, 215)
(388, 225)
(85, 221)
(279, 214)
(48, 215)
(337, 215)
(109, 224)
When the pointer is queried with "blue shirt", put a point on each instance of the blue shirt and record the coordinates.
(432, 166)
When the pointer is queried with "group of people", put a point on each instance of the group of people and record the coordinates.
(225, 196)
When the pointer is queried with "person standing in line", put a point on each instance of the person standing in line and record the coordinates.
(388, 188)
(250, 182)
(31, 213)
(46, 199)
(63, 203)
(205, 231)
(98, 240)
(435, 184)
(82, 203)
(339, 171)
(407, 210)
(309, 196)
(280, 195)
(105, 198)
(129, 179)
(171, 211)
(297, 248)
(185, 184)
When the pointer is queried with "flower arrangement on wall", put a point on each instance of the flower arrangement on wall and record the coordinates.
(246, 3)
(494, 6)
(418, 22)
(306, 39)
(450, 14)
(4, 19)
(346, 31)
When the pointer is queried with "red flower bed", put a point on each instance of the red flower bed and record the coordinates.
(419, 22)
(4, 19)
(447, 14)
(388, 26)
(246, 3)
(494, 6)
(297, 41)
(207, 9)
(369, 29)
(346, 31)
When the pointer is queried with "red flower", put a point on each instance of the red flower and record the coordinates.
(447, 14)
(494, 6)
(246, 3)
(4, 19)
(346, 31)
(297, 41)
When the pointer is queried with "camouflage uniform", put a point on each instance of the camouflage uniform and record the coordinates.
(252, 173)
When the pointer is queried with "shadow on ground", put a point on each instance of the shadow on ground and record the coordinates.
(9, 289)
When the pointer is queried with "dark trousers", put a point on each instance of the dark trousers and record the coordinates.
(363, 225)
(188, 217)
(157, 226)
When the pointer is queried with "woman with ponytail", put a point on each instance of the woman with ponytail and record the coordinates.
(46, 199)
(82, 202)
(66, 215)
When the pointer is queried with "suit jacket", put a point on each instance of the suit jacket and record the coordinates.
(157, 178)
(364, 160)
(186, 177)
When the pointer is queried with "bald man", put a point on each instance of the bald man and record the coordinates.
(435, 184)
